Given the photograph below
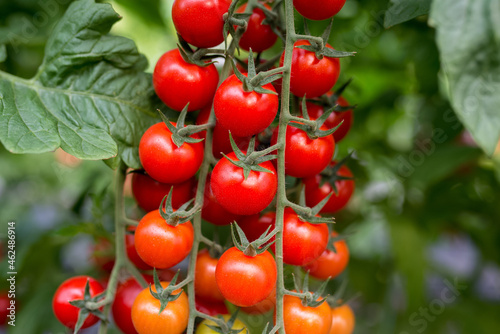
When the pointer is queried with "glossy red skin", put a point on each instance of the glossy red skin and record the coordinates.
(161, 245)
(315, 111)
(74, 289)
(220, 136)
(245, 280)
(255, 225)
(149, 193)
(177, 82)
(164, 161)
(318, 9)
(4, 304)
(330, 263)
(316, 193)
(258, 36)
(343, 320)
(200, 22)
(122, 304)
(211, 308)
(300, 319)
(132, 252)
(304, 156)
(204, 282)
(311, 77)
(244, 113)
(240, 196)
(212, 211)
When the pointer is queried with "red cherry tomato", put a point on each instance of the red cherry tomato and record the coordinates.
(122, 305)
(318, 9)
(258, 36)
(178, 83)
(212, 211)
(244, 113)
(300, 319)
(220, 136)
(164, 161)
(149, 193)
(211, 308)
(200, 22)
(132, 252)
(343, 320)
(315, 111)
(204, 279)
(74, 289)
(316, 193)
(262, 307)
(161, 245)
(147, 318)
(244, 280)
(240, 196)
(330, 263)
(4, 305)
(311, 77)
(305, 156)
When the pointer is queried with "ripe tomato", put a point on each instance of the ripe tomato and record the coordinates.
(178, 83)
(245, 280)
(161, 245)
(122, 305)
(147, 318)
(163, 160)
(311, 77)
(211, 308)
(258, 36)
(204, 329)
(316, 193)
(302, 241)
(132, 254)
(212, 211)
(300, 319)
(305, 156)
(204, 281)
(74, 289)
(255, 225)
(318, 9)
(200, 22)
(149, 193)
(330, 263)
(262, 307)
(220, 136)
(240, 196)
(244, 113)
(4, 304)
(343, 320)
(315, 111)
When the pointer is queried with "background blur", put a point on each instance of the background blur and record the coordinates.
(425, 243)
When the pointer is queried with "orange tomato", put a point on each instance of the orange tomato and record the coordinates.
(342, 320)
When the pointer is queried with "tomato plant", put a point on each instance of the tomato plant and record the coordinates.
(331, 262)
(319, 9)
(70, 290)
(204, 329)
(245, 280)
(163, 160)
(132, 254)
(205, 284)
(161, 245)
(212, 211)
(147, 318)
(178, 82)
(211, 308)
(300, 319)
(343, 320)
(258, 36)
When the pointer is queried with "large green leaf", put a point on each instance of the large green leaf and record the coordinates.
(90, 96)
(468, 37)
(400, 11)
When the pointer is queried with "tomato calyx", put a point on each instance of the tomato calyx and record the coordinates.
(318, 45)
(165, 295)
(180, 133)
(255, 247)
(250, 160)
(329, 100)
(309, 299)
(272, 17)
(88, 305)
(201, 57)
(176, 217)
(253, 81)
(232, 19)
(311, 215)
(225, 327)
(331, 174)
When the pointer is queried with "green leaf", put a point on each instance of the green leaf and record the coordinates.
(400, 11)
(468, 37)
(90, 96)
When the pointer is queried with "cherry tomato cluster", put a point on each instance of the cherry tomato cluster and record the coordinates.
(240, 112)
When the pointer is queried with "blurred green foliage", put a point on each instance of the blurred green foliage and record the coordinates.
(425, 212)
